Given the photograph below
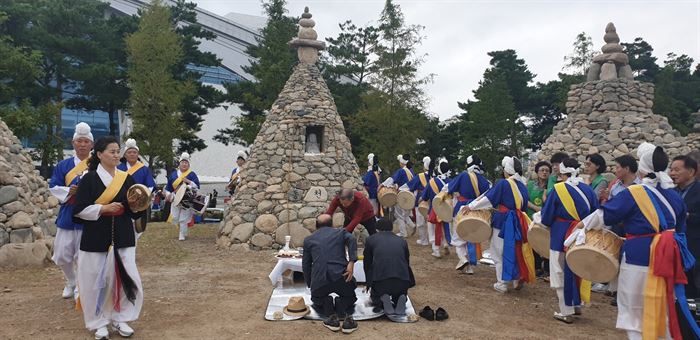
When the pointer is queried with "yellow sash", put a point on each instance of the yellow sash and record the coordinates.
(177, 181)
(526, 249)
(409, 175)
(654, 310)
(568, 202)
(434, 186)
(135, 168)
(475, 183)
(113, 188)
(516, 194)
(77, 170)
(423, 180)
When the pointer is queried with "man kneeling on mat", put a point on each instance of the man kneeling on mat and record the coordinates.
(387, 269)
(326, 271)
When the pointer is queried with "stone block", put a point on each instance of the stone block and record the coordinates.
(316, 194)
(21, 236)
(242, 232)
(294, 229)
(24, 255)
(8, 193)
(266, 223)
(20, 220)
(261, 240)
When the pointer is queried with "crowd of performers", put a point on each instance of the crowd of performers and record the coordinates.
(654, 209)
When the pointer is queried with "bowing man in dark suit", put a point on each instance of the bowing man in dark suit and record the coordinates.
(387, 269)
(327, 270)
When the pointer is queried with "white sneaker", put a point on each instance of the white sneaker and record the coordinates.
(469, 270)
(182, 237)
(599, 288)
(436, 254)
(462, 263)
(102, 333)
(68, 292)
(500, 287)
(123, 329)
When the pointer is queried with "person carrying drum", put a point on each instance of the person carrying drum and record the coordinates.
(241, 158)
(63, 185)
(510, 250)
(402, 176)
(466, 187)
(181, 217)
(569, 202)
(371, 181)
(438, 230)
(654, 253)
(139, 171)
(417, 186)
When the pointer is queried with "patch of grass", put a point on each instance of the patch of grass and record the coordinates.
(160, 244)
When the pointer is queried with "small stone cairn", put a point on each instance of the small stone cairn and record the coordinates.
(612, 63)
(611, 115)
(27, 209)
(300, 158)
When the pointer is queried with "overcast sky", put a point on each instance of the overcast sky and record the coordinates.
(459, 33)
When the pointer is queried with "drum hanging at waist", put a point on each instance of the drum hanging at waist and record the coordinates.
(598, 259)
(387, 196)
(474, 226)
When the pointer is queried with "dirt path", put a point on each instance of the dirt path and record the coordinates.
(193, 291)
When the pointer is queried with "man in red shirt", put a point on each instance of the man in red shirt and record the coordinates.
(357, 209)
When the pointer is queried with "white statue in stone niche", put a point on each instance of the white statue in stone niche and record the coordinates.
(312, 145)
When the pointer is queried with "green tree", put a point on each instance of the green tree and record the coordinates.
(491, 127)
(346, 67)
(385, 129)
(395, 71)
(271, 64)
(156, 96)
(205, 97)
(65, 33)
(642, 62)
(581, 57)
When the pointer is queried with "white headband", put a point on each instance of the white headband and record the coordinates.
(241, 154)
(426, 162)
(82, 130)
(645, 153)
(401, 159)
(508, 165)
(574, 179)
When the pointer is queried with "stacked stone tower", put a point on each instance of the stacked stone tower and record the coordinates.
(27, 209)
(611, 113)
(299, 160)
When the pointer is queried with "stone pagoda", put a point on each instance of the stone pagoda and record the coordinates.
(27, 209)
(610, 114)
(300, 158)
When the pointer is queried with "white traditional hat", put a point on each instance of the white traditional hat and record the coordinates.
(82, 130)
(184, 157)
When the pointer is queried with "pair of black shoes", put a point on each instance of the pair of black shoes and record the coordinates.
(439, 314)
(349, 324)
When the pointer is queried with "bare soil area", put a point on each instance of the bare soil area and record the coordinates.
(194, 291)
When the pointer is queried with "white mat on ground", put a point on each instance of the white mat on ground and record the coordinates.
(363, 307)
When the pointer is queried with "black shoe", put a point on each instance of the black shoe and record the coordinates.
(332, 323)
(441, 314)
(349, 325)
(427, 313)
(613, 302)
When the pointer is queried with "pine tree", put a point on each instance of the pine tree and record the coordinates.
(581, 57)
(156, 96)
(271, 64)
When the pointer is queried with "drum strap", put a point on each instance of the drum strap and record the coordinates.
(132, 170)
(409, 175)
(177, 181)
(517, 197)
(113, 188)
(567, 200)
(78, 169)
(423, 179)
(475, 183)
(434, 186)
